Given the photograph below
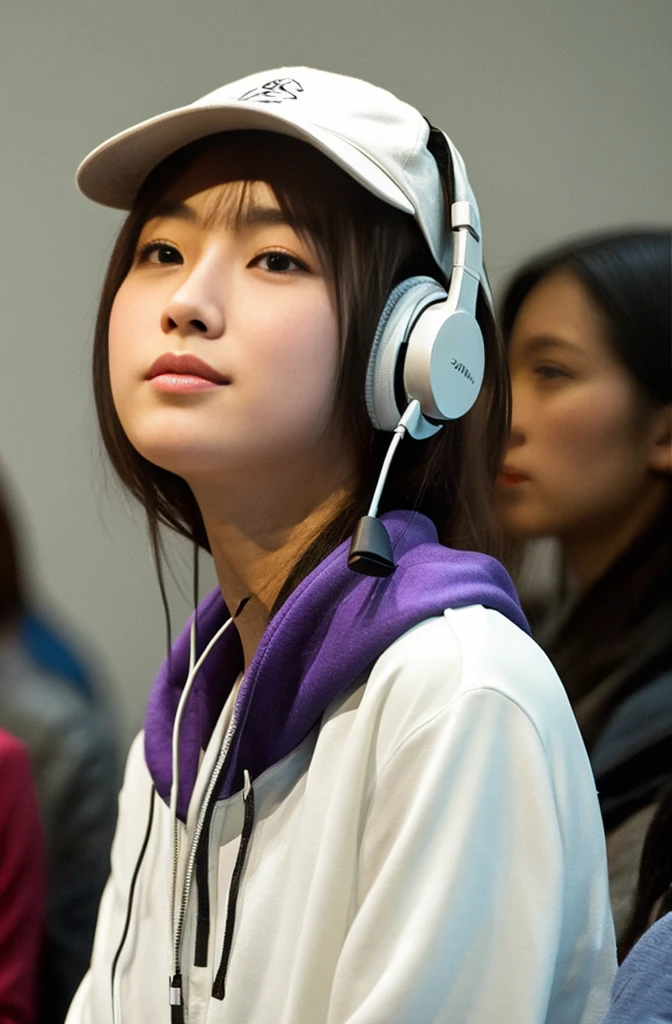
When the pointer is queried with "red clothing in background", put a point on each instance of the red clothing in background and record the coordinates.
(22, 885)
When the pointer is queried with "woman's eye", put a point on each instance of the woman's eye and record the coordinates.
(278, 262)
(158, 252)
(550, 372)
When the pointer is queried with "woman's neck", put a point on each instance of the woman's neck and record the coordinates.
(256, 538)
(589, 554)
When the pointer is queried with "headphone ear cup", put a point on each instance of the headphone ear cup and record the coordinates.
(403, 307)
(445, 362)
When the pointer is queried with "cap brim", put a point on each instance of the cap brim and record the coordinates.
(113, 173)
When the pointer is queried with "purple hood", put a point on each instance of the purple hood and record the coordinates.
(330, 629)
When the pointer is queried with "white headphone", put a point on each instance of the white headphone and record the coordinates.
(431, 336)
(428, 340)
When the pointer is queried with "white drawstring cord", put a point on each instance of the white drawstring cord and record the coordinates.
(174, 785)
(174, 788)
(177, 1009)
(191, 675)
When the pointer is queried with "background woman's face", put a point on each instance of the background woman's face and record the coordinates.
(578, 459)
(235, 286)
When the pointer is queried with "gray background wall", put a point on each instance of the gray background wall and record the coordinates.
(562, 109)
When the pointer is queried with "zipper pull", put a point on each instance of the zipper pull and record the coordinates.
(176, 1004)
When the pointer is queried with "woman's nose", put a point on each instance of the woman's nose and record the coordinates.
(196, 307)
(517, 431)
(516, 436)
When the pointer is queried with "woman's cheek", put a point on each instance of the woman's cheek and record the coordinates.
(601, 421)
(587, 450)
(125, 348)
(305, 351)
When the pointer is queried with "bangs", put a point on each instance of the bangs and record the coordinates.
(316, 199)
(364, 246)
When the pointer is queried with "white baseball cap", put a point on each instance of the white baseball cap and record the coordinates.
(377, 139)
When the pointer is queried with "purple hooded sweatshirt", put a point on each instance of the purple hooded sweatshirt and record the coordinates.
(326, 634)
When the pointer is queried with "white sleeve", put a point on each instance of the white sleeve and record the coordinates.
(92, 1003)
(460, 905)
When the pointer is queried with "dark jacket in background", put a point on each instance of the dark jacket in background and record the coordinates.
(613, 651)
(74, 764)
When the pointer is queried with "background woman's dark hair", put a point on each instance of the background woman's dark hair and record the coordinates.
(653, 897)
(629, 275)
(366, 248)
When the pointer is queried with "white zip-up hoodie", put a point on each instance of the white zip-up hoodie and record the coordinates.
(426, 847)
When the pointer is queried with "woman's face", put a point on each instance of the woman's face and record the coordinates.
(223, 337)
(579, 456)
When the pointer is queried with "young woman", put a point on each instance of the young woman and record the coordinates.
(361, 794)
(589, 462)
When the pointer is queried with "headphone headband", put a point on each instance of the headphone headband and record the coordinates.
(465, 221)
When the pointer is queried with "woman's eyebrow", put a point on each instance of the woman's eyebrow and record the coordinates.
(533, 345)
(173, 210)
(257, 215)
(251, 216)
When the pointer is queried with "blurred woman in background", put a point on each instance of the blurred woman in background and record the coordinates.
(589, 463)
(47, 701)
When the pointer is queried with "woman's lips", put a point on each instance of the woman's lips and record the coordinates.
(181, 383)
(183, 373)
(511, 477)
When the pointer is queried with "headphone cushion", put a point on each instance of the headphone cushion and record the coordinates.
(399, 314)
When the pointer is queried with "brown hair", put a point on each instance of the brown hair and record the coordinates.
(366, 247)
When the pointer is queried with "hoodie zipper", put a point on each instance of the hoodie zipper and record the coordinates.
(201, 871)
(176, 997)
(203, 888)
(203, 898)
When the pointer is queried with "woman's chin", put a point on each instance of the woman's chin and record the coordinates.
(520, 523)
(183, 459)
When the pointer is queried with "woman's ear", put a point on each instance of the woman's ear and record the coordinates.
(660, 458)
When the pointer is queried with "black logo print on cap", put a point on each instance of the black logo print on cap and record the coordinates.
(277, 91)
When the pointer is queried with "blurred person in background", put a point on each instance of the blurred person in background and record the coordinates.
(22, 885)
(589, 464)
(47, 701)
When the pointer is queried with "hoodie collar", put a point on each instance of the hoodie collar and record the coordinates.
(326, 634)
